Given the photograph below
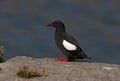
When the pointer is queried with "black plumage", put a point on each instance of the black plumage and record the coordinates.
(73, 52)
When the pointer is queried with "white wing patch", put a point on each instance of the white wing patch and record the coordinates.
(68, 45)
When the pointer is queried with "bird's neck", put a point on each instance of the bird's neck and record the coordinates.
(60, 29)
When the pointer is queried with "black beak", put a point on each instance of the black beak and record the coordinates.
(49, 25)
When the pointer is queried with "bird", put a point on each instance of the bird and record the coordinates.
(66, 43)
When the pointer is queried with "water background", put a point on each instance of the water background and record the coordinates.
(94, 23)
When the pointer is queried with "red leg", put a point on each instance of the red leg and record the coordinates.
(63, 59)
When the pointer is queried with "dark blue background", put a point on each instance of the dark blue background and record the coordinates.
(94, 23)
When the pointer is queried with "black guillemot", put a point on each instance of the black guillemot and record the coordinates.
(66, 43)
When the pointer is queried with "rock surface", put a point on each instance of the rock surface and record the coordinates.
(60, 71)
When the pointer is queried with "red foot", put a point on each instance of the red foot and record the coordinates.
(63, 59)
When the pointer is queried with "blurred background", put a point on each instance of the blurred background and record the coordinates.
(94, 23)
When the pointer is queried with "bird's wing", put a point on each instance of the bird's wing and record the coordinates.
(70, 39)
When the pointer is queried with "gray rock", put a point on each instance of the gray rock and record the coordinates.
(60, 71)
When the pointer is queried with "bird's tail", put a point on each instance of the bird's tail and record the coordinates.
(89, 57)
(84, 56)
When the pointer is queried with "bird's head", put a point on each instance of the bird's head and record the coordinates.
(56, 24)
